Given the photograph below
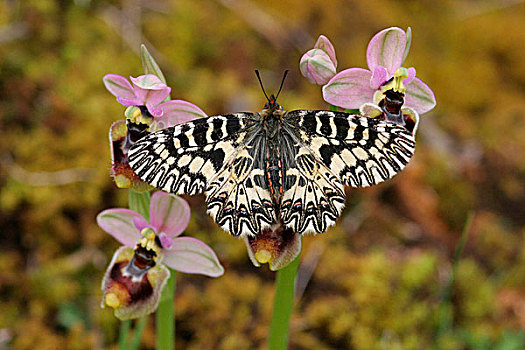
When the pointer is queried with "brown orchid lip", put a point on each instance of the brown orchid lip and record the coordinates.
(391, 107)
(144, 259)
(135, 132)
(121, 138)
(128, 283)
(277, 247)
(136, 290)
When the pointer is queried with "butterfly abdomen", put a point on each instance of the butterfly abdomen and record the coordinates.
(273, 166)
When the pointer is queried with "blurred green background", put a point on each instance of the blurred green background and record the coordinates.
(381, 279)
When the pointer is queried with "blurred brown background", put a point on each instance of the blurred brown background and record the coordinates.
(380, 279)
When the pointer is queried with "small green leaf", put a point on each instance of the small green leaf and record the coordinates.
(149, 65)
(139, 202)
(70, 314)
(409, 41)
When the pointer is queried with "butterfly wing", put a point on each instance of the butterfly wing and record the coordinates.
(209, 155)
(333, 149)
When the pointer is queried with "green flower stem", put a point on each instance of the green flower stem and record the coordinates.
(166, 316)
(125, 326)
(445, 313)
(332, 108)
(282, 306)
(140, 325)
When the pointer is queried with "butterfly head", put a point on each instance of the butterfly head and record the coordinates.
(272, 104)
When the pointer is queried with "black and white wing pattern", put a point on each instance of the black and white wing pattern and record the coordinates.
(274, 167)
(237, 197)
(361, 151)
(209, 155)
(333, 149)
(313, 195)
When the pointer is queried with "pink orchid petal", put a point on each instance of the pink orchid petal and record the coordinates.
(118, 86)
(148, 82)
(419, 96)
(165, 241)
(119, 224)
(149, 89)
(169, 213)
(324, 44)
(153, 110)
(387, 49)
(141, 223)
(152, 97)
(317, 67)
(129, 102)
(349, 88)
(176, 112)
(411, 75)
(379, 76)
(189, 255)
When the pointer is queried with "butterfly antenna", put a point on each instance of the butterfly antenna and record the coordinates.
(282, 83)
(260, 82)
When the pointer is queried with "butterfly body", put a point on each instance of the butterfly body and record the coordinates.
(258, 170)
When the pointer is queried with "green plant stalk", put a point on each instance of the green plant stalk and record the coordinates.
(446, 312)
(282, 306)
(125, 326)
(332, 108)
(140, 325)
(166, 316)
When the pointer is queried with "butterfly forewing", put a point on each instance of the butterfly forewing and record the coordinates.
(185, 158)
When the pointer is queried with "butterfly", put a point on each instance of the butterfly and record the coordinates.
(259, 170)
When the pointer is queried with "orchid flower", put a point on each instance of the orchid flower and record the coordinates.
(147, 112)
(150, 93)
(385, 55)
(137, 272)
(277, 247)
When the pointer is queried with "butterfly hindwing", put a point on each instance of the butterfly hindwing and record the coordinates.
(237, 197)
(313, 195)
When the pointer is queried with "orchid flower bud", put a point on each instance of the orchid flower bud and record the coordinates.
(317, 67)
